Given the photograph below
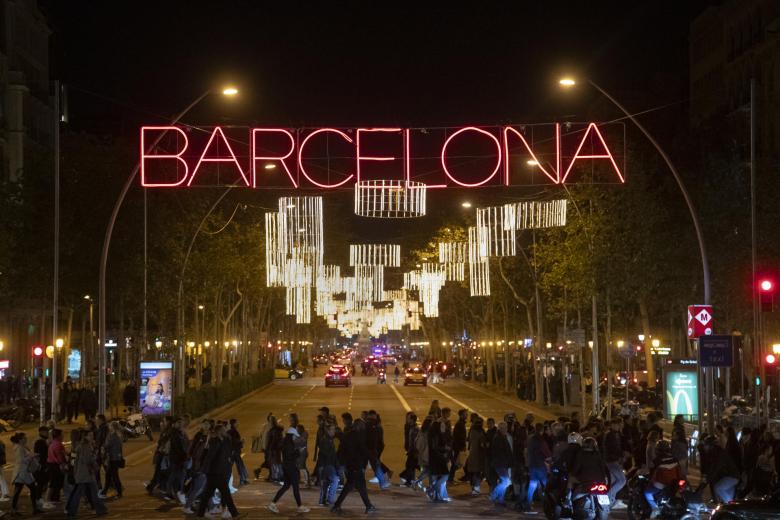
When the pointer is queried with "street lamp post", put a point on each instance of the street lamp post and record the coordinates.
(107, 242)
(570, 82)
(58, 344)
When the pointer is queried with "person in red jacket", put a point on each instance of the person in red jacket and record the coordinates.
(57, 463)
(666, 473)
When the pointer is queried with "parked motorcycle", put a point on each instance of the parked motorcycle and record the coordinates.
(590, 501)
(683, 502)
(134, 426)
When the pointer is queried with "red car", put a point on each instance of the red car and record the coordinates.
(338, 375)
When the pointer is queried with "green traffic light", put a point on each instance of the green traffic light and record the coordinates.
(758, 381)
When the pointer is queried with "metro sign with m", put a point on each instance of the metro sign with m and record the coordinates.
(330, 158)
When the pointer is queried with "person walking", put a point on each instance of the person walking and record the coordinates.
(114, 459)
(238, 446)
(613, 456)
(160, 458)
(423, 454)
(197, 454)
(353, 454)
(475, 463)
(501, 459)
(178, 456)
(290, 470)
(328, 464)
(438, 457)
(25, 467)
(375, 444)
(218, 465)
(57, 465)
(410, 436)
(84, 478)
(5, 492)
(537, 458)
(459, 438)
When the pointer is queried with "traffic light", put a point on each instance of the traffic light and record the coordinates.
(766, 294)
(771, 360)
(37, 355)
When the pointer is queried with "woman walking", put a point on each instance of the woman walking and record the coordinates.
(84, 477)
(292, 475)
(475, 463)
(421, 446)
(25, 465)
(57, 463)
(112, 454)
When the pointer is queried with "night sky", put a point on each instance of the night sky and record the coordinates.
(361, 63)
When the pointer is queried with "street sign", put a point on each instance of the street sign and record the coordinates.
(716, 351)
(700, 321)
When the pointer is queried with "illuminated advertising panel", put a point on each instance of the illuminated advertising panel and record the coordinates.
(156, 389)
(682, 387)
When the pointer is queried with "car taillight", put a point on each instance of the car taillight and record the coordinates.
(600, 488)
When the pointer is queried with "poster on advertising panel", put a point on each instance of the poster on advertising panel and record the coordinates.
(156, 389)
(682, 397)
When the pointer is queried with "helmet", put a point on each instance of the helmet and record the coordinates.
(590, 444)
(575, 438)
(663, 447)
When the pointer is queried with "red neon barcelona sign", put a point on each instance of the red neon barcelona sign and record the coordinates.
(330, 158)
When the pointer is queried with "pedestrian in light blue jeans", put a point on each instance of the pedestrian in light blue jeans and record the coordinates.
(498, 493)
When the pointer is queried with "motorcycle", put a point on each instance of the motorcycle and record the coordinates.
(590, 501)
(134, 426)
(381, 377)
(685, 505)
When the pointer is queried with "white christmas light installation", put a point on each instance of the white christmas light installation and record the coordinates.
(479, 267)
(390, 199)
(453, 257)
(388, 255)
(496, 231)
(274, 258)
(538, 214)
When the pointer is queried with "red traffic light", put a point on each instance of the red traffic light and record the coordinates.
(766, 285)
(37, 351)
(771, 359)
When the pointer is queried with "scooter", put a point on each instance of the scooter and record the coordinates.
(590, 501)
(685, 505)
(134, 426)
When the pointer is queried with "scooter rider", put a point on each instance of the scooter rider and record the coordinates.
(666, 474)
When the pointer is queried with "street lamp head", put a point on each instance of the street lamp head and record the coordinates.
(776, 349)
(466, 204)
(641, 337)
(59, 343)
(270, 166)
(88, 297)
(158, 344)
(532, 162)
(229, 91)
(2, 346)
(201, 307)
(656, 343)
(620, 343)
(567, 82)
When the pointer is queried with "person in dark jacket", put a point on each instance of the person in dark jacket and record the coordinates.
(218, 465)
(89, 403)
(538, 456)
(353, 454)
(130, 396)
(114, 459)
(721, 470)
(475, 464)
(375, 443)
(438, 458)
(328, 463)
(41, 450)
(178, 455)
(613, 456)
(501, 460)
(197, 454)
(458, 443)
(238, 445)
(589, 466)
(292, 477)
(410, 436)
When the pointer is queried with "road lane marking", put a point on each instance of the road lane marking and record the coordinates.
(401, 398)
(459, 403)
(522, 405)
(351, 391)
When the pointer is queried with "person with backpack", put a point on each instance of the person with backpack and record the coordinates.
(25, 467)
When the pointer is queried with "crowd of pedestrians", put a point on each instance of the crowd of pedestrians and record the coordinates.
(56, 478)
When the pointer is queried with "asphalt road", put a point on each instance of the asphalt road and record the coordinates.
(305, 396)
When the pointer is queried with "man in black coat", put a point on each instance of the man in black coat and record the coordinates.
(501, 460)
(458, 443)
(353, 455)
(218, 465)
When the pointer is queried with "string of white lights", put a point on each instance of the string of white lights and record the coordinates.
(390, 199)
